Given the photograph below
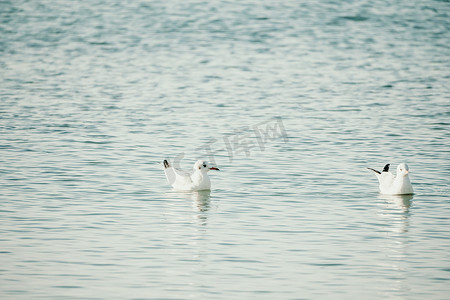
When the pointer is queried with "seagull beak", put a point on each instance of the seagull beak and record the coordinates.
(214, 168)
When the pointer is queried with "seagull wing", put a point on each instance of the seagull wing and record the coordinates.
(175, 176)
(383, 174)
(386, 179)
(377, 173)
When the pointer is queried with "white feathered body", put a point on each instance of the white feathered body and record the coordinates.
(184, 181)
(394, 185)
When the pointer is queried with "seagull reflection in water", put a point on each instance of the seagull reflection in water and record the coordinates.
(201, 200)
(396, 211)
(403, 202)
(201, 203)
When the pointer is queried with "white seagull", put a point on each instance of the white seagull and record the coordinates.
(197, 180)
(394, 185)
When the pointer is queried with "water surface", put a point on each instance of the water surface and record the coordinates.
(95, 93)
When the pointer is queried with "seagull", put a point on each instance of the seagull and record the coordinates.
(197, 180)
(394, 185)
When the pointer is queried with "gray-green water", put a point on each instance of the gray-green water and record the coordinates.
(95, 93)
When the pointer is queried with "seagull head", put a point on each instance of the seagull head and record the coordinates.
(203, 166)
(402, 169)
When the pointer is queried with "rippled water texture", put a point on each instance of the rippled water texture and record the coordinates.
(95, 93)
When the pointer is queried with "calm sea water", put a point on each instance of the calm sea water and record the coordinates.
(95, 93)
